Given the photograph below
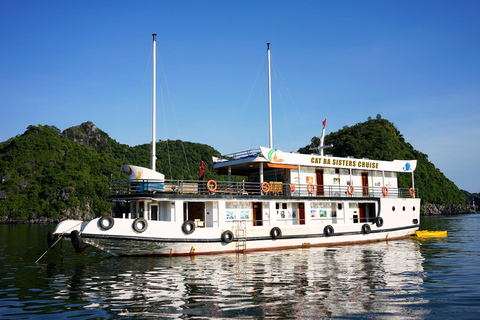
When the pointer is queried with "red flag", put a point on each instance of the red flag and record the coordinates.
(324, 123)
(201, 171)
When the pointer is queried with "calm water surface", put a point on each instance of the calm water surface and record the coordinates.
(407, 279)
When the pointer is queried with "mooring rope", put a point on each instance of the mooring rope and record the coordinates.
(53, 245)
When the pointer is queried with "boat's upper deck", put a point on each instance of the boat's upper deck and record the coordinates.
(270, 172)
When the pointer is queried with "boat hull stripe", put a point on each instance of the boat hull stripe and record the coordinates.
(212, 240)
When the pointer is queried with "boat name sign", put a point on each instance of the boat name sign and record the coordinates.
(277, 156)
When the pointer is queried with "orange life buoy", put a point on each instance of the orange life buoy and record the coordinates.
(385, 191)
(265, 187)
(209, 187)
(310, 188)
(292, 187)
(350, 190)
(412, 192)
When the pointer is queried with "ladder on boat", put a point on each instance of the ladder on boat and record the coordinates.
(241, 236)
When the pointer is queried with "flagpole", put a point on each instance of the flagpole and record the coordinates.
(323, 137)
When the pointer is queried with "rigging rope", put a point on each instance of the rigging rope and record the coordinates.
(291, 98)
(248, 99)
(175, 117)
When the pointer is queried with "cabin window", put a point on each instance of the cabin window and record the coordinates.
(413, 208)
(393, 208)
(154, 212)
(196, 211)
(237, 205)
(337, 170)
(281, 210)
(404, 208)
(340, 206)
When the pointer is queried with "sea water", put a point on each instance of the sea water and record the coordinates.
(403, 279)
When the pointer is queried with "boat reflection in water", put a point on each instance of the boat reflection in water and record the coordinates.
(382, 278)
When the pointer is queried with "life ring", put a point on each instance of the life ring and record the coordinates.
(76, 239)
(328, 231)
(366, 229)
(276, 233)
(50, 239)
(350, 189)
(227, 236)
(265, 187)
(310, 188)
(212, 189)
(293, 186)
(143, 225)
(379, 222)
(411, 191)
(106, 222)
(385, 191)
(188, 227)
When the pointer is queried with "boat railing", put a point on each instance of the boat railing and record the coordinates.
(242, 154)
(243, 188)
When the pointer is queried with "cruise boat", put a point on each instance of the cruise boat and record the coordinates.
(284, 200)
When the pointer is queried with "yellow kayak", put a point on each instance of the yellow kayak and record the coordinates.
(429, 234)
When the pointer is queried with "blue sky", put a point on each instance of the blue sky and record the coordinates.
(416, 63)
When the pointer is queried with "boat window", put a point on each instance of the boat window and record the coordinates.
(393, 208)
(284, 206)
(340, 206)
(404, 208)
(196, 211)
(413, 208)
(154, 212)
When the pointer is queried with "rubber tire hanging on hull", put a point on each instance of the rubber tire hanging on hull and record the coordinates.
(276, 233)
(379, 222)
(76, 239)
(328, 231)
(140, 221)
(366, 229)
(106, 222)
(50, 239)
(188, 227)
(227, 236)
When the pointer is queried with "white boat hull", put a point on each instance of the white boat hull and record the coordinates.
(119, 236)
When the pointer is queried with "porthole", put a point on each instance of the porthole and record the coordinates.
(393, 208)
(413, 208)
(404, 208)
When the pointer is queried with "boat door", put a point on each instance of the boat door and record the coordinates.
(301, 213)
(320, 191)
(365, 184)
(361, 212)
(257, 214)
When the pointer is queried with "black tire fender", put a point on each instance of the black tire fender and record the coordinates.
(379, 222)
(227, 236)
(276, 233)
(76, 239)
(328, 231)
(188, 227)
(106, 222)
(366, 228)
(51, 238)
(143, 225)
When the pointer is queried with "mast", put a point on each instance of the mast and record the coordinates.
(154, 102)
(270, 98)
